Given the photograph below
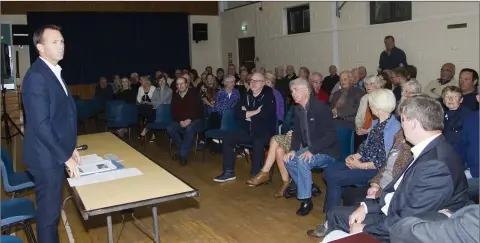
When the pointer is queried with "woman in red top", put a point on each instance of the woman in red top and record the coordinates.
(317, 80)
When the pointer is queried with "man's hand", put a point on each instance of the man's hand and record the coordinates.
(244, 109)
(357, 216)
(259, 109)
(72, 167)
(76, 157)
(307, 156)
(289, 133)
(362, 131)
(372, 191)
(187, 122)
(288, 156)
(356, 228)
(334, 112)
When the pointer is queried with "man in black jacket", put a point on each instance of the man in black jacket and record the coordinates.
(256, 112)
(314, 142)
(432, 181)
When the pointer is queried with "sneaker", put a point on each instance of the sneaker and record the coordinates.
(225, 176)
(319, 232)
(216, 141)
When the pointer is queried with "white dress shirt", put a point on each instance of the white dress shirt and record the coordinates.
(57, 70)
(416, 151)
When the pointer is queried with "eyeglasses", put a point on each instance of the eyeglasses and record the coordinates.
(256, 80)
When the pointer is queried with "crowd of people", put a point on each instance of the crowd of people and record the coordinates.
(416, 150)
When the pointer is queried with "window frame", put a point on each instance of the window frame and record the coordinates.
(301, 9)
(393, 19)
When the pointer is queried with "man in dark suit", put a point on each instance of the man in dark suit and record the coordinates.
(51, 130)
(432, 181)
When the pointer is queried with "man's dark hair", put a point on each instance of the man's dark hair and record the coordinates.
(38, 35)
(390, 37)
(412, 71)
(474, 73)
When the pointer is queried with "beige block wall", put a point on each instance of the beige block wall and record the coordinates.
(426, 40)
(206, 53)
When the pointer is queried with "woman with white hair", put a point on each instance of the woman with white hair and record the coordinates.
(359, 168)
(364, 117)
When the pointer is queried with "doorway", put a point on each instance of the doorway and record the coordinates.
(246, 52)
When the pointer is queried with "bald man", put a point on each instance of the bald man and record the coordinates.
(435, 87)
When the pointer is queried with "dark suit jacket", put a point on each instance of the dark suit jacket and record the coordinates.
(461, 227)
(435, 181)
(51, 119)
(323, 133)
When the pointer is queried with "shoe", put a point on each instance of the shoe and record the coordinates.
(225, 176)
(315, 190)
(305, 207)
(175, 157)
(261, 178)
(282, 190)
(319, 232)
(291, 190)
(183, 161)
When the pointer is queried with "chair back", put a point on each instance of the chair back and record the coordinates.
(229, 122)
(7, 168)
(10, 239)
(164, 114)
(85, 109)
(120, 113)
(345, 136)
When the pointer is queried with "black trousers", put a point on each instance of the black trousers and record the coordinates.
(352, 196)
(147, 111)
(338, 220)
(232, 139)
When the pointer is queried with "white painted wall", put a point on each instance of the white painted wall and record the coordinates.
(206, 53)
(426, 40)
(23, 52)
(203, 54)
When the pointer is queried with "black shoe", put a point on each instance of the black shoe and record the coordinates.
(175, 157)
(305, 207)
(183, 161)
(315, 190)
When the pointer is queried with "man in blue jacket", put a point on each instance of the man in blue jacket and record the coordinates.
(256, 112)
(468, 150)
(51, 130)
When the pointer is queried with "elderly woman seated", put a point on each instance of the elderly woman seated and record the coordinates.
(359, 168)
(345, 101)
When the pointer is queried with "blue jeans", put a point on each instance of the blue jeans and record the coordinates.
(175, 130)
(301, 171)
(339, 175)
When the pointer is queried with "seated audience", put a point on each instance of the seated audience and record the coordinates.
(144, 99)
(455, 114)
(187, 114)
(330, 81)
(345, 102)
(304, 73)
(242, 84)
(161, 95)
(134, 81)
(439, 227)
(226, 98)
(468, 151)
(317, 82)
(359, 168)
(364, 117)
(117, 84)
(256, 113)
(314, 142)
(220, 76)
(270, 82)
(103, 91)
(290, 70)
(126, 94)
(412, 72)
(468, 84)
(411, 87)
(208, 93)
(362, 73)
(279, 145)
(432, 181)
(399, 76)
(447, 78)
(282, 82)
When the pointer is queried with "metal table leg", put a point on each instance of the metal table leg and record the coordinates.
(110, 230)
(155, 225)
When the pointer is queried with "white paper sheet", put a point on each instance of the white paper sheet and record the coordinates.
(105, 176)
(89, 159)
(96, 167)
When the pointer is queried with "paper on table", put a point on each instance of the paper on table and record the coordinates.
(105, 176)
(89, 159)
(96, 167)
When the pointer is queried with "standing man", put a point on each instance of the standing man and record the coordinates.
(392, 57)
(51, 132)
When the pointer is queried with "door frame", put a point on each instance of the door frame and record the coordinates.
(238, 51)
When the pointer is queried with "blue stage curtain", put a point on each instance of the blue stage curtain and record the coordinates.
(103, 44)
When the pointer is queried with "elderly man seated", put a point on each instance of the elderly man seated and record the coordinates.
(314, 142)
(345, 102)
(257, 113)
(432, 181)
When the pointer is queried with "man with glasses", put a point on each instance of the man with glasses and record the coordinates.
(256, 112)
(187, 113)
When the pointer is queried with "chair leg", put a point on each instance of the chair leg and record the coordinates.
(170, 149)
(29, 232)
(196, 148)
(129, 135)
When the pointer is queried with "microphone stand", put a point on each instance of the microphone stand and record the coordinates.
(6, 119)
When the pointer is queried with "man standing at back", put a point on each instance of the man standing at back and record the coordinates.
(51, 130)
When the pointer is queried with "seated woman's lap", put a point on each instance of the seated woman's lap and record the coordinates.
(341, 175)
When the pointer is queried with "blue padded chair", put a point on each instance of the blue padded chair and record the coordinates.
(229, 123)
(10, 239)
(121, 115)
(86, 109)
(13, 181)
(250, 146)
(163, 118)
(18, 211)
(345, 136)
